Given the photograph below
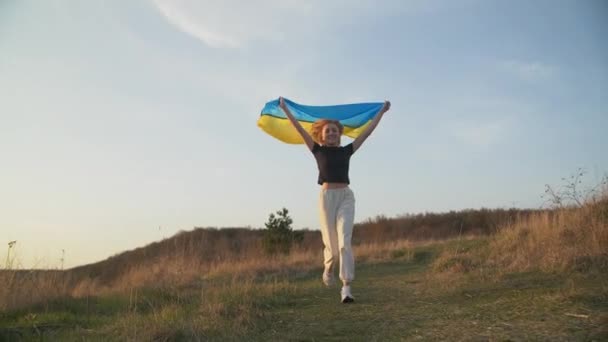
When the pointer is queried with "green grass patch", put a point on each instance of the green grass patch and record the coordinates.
(403, 298)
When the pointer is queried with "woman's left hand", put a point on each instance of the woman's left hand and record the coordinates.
(386, 107)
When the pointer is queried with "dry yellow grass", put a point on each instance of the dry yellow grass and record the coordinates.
(559, 240)
(551, 240)
(573, 238)
(188, 256)
(24, 288)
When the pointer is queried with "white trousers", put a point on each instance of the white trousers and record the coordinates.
(337, 214)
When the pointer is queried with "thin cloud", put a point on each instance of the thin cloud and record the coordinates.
(187, 23)
(529, 71)
(480, 134)
(234, 23)
(230, 23)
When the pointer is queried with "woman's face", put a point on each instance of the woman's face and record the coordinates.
(330, 135)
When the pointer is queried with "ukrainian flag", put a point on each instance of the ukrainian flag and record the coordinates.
(355, 117)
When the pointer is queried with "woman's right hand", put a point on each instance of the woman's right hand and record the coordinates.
(305, 135)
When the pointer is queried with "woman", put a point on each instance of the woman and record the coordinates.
(336, 200)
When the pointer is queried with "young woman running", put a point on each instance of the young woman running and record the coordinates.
(336, 200)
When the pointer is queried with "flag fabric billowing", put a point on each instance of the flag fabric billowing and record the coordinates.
(355, 117)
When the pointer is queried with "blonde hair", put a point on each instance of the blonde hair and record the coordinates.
(317, 129)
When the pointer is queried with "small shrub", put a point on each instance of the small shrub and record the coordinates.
(279, 236)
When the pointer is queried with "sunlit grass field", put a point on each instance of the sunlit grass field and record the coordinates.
(544, 277)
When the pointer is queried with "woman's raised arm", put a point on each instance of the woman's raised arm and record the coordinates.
(307, 138)
(361, 138)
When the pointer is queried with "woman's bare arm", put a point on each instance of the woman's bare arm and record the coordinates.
(361, 138)
(307, 138)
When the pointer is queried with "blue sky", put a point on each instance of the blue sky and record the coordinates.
(125, 122)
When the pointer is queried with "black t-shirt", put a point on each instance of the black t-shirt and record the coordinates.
(333, 162)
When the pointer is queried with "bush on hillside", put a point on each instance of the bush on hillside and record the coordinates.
(279, 235)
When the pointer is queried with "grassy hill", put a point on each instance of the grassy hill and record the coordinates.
(542, 276)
